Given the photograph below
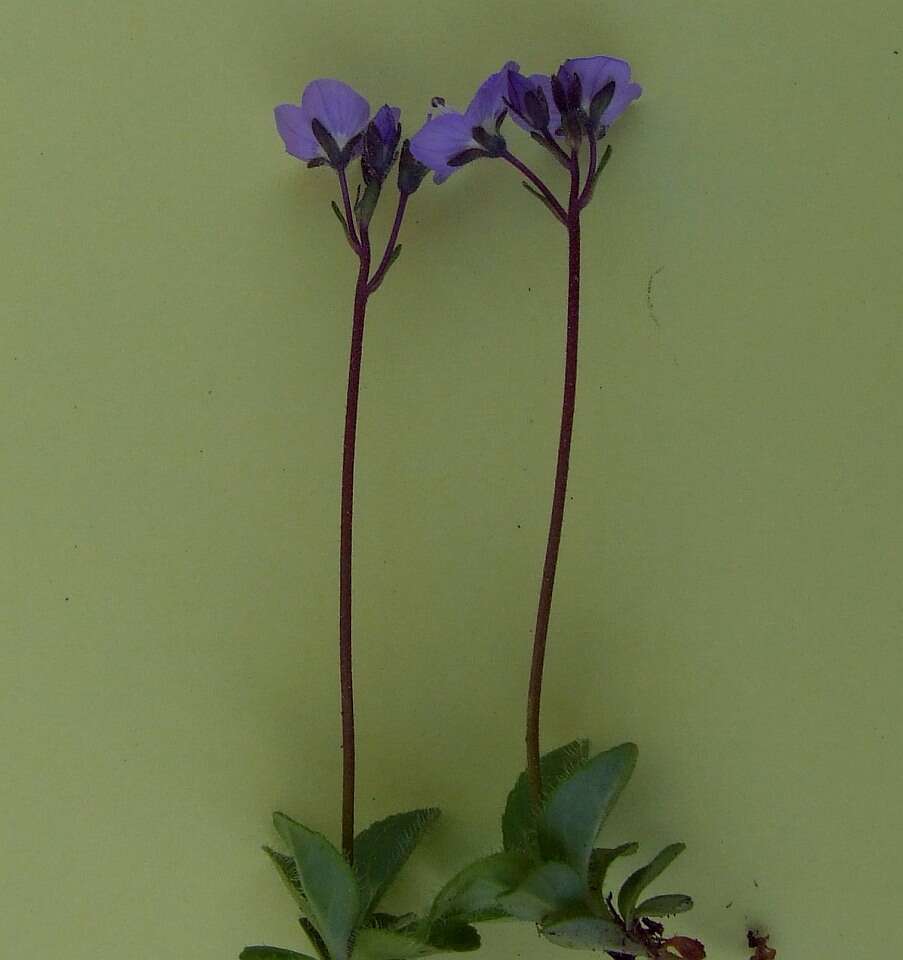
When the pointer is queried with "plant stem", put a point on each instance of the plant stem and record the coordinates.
(361, 294)
(390, 244)
(556, 520)
(537, 182)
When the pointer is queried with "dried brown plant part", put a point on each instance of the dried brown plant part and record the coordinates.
(758, 942)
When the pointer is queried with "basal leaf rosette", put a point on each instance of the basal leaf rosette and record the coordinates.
(550, 872)
(338, 900)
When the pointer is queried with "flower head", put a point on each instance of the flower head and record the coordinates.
(585, 95)
(605, 89)
(451, 139)
(328, 126)
(381, 144)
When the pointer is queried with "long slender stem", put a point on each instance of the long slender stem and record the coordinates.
(361, 295)
(390, 243)
(556, 520)
(537, 182)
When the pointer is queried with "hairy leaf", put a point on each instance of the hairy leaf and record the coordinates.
(373, 944)
(327, 881)
(586, 932)
(452, 936)
(472, 894)
(287, 870)
(666, 905)
(382, 849)
(549, 888)
(576, 810)
(601, 859)
(519, 829)
(637, 882)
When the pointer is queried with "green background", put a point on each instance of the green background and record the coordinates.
(175, 302)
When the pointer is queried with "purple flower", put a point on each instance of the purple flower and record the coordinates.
(451, 139)
(586, 94)
(381, 144)
(327, 127)
(531, 102)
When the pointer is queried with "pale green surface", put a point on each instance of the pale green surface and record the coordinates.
(175, 298)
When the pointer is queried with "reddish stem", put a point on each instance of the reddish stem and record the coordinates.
(390, 244)
(361, 294)
(560, 490)
(537, 182)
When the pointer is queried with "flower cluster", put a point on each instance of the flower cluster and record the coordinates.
(581, 99)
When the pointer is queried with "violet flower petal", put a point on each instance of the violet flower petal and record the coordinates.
(341, 110)
(386, 120)
(451, 132)
(487, 104)
(294, 128)
(597, 72)
(440, 139)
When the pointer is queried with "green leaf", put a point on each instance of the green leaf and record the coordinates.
(382, 849)
(601, 859)
(420, 939)
(519, 830)
(589, 933)
(667, 905)
(393, 256)
(327, 881)
(374, 944)
(286, 868)
(550, 888)
(578, 807)
(314, 936)
(342, 220)
(637, 882)
(472, 894)
(544, 201)
(271, 953)
(451, 936)
(602, 163)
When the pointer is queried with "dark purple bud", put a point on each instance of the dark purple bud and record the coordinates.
(528, 100)
(493, 144)
(381, 144)
(410, 170)
(327, 142)
(537, 109)
(599, 104)
(567, 90)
